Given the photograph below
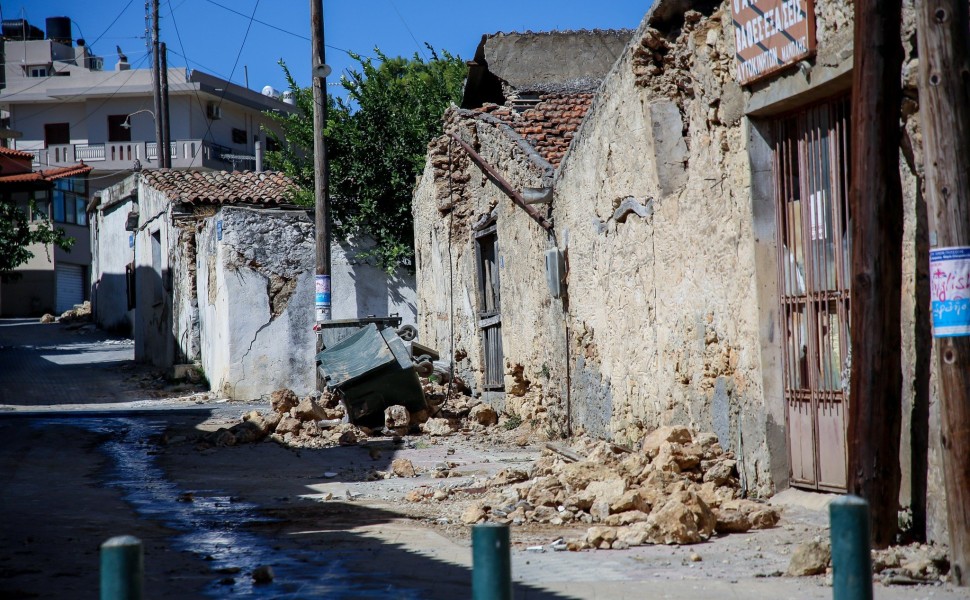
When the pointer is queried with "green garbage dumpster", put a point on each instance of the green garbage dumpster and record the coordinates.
(373, 370)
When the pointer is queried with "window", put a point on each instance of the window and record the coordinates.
(36, 71)
(238, 136)
(41, 210)
(70, 201)
(57, 133)
(117, 133)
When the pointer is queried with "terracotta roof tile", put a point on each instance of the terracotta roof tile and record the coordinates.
(269, 188)
(48, 175)
(550, 125)
(15, 153)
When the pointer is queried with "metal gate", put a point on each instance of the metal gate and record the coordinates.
(490, 307)
(811, 158)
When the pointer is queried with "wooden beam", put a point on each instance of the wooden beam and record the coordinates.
(943, 33)
(877, 236)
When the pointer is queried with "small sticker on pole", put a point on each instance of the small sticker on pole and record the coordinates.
(322, 303)
(950, 291)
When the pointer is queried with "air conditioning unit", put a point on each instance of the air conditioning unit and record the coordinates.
(213, 111)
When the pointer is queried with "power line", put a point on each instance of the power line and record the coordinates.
(235, 63)
(178, 35)
(271, 26)
(405, 23)
(111, 25)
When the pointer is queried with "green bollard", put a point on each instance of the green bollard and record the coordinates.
(851, 557)
(491, 562)
(122, 568)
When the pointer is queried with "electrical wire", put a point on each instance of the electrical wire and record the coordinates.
(405, 23)
(178, 35)
(106, 29)
(271, 26)
(225, 88)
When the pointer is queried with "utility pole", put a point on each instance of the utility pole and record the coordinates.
(157, 85)
(165, 154)
(876, 202)
(944, 98)
(318, 64)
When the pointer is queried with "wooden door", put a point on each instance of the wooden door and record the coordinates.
(490, 307)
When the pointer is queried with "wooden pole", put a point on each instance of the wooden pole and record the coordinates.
(877, 239)
(943, 34)
(157, 86)
(322, 220)
(165, 149)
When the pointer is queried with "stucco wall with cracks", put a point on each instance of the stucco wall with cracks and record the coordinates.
(255, 296)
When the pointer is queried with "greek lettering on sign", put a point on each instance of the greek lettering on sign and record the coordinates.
(950, 291)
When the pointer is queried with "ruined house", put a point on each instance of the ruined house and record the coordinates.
(215, 270)
(684, 255)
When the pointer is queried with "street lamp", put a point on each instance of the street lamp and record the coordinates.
(127, 122)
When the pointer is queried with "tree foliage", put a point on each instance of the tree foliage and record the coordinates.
(17, 233)
(377, 139)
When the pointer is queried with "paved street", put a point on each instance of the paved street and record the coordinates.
(76, 469)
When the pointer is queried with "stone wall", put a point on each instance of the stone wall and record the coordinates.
(664, 206)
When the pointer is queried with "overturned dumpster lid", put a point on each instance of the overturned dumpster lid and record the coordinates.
(355, 356)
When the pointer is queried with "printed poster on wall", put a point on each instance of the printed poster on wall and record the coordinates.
(770, 35)
(950, 291)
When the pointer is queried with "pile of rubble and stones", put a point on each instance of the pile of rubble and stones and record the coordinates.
(319, 420)
(79, 315)
(676, 489)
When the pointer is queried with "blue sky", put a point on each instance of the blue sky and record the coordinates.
(208, 35)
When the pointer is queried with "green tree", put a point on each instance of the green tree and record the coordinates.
(377, 139)
(17, 233)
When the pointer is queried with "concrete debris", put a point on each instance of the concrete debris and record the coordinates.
(439, 427)
(912, 564)
(678, 489)
(484, 415)
(810, 558)
(48, 318)
(397, 419)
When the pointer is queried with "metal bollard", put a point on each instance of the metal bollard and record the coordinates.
(491, 562)
(122, 568)
(851, 556)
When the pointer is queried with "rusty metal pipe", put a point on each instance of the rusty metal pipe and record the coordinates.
(503, 184)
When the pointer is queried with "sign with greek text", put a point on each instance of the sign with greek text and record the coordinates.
(322, 298)
(950, 291)
(770, 35)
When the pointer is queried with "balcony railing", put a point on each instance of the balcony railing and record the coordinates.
(121, 155)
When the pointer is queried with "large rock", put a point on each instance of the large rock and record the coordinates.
(608, 492)
(283, 400)
(439, 427)
(473, 514)
(720, 471)
(684, 519)
(48, 318)
(288, 425)
(578, 475)
(636, 534)
(484, 415)
(397, 419)
(309, 409)
(266, 423)
(810, 558)
(601, 537)
(674, 434)
(402, 467)
(637, 499)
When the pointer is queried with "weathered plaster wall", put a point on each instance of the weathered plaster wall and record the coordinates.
(111, 253)
(154, 335)
(359, 289)
(256, 301)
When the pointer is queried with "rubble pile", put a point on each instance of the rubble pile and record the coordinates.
(81, 313)
(677, 489)
(897, 565)
(320, 420)
(912, 564)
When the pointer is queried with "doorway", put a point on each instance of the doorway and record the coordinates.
(811, 158)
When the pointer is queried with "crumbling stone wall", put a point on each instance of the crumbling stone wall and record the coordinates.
(453, 200)
(255, 290)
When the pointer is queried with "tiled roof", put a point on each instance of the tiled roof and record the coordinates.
(15, 153)
(550, 125)
(48, 175)
(269, 188)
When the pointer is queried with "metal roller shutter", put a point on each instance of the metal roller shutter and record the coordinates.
(70, 286)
